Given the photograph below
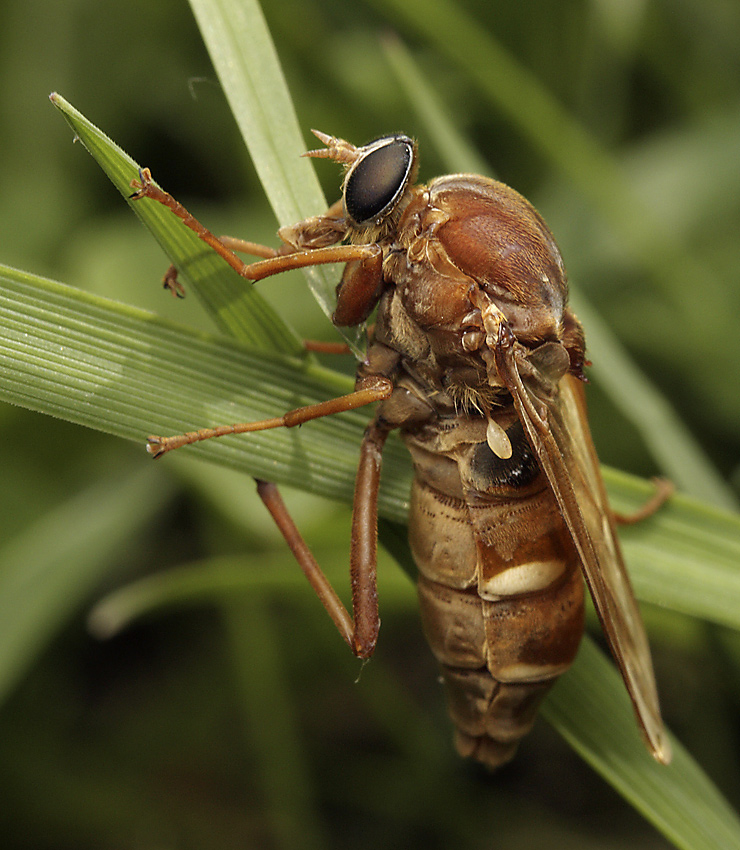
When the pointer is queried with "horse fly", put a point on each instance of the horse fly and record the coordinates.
(477, 360)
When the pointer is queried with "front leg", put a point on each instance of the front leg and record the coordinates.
(276, 261)
(253, 249)
(319, 231)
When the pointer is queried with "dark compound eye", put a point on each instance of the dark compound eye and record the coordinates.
(376, 182)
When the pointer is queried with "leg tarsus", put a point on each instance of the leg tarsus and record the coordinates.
(143, 185)
(171, 283)
(663, 491)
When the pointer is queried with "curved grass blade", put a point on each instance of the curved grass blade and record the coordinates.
(669, 441)
(684, 558)
(124, 371)
(203, 582)
(244, 57)
(679, 799)
(235, 305)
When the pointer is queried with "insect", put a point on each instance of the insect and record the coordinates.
(477, 360)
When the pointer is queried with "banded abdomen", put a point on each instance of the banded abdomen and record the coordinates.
(500, 588)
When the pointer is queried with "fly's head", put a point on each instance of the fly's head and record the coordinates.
(377, 181)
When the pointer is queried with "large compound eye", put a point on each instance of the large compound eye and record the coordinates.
(375, 183)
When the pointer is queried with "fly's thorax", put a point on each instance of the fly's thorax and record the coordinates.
(496, 237)
(431, 333)
(433, 292)
(465, 232)
(458, 238)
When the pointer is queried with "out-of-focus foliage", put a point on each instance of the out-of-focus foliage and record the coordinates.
(149, 739)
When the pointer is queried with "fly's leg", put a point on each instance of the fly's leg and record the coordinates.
(310, 243)
(172, 284)
(321, 347)
(360, 629)
(663, 491)
(364, 545)
(255, 249)
(372, 389)
(365, 255)
(323, 588)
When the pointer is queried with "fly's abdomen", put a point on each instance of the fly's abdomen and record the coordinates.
(500, 591)
(500, 657)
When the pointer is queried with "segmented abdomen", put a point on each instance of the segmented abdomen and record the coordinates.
(500, 588)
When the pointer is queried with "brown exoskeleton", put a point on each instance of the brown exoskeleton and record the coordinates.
(477, 360)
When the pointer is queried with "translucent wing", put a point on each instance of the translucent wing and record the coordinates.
(555, 421)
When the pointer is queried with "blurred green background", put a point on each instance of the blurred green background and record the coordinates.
(182, 731)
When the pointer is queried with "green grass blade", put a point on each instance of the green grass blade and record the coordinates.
(454, 150)
(598, 721)
(124, 371)
(190, 584)
(243, 54)
(234, 303)
(667, 438)
(109, 367)
(686, 557)
(218, 578)
(248, 68)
